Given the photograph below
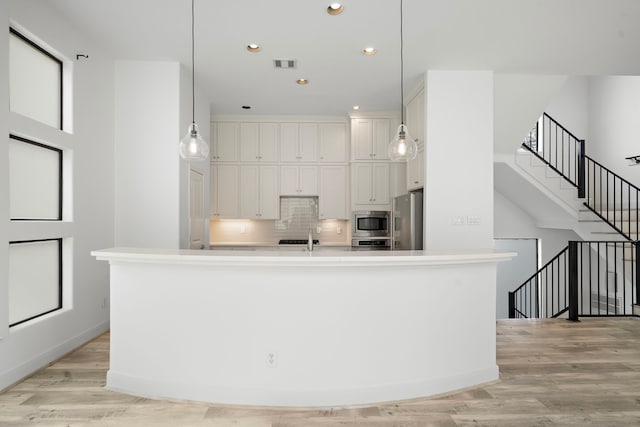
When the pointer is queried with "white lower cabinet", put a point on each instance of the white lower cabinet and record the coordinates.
(259, 192)
(333, 192)
(224, 203)
(298, 180)
(370, 184)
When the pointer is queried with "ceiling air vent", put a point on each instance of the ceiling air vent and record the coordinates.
(285, 64)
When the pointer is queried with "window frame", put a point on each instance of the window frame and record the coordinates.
(60, 177)
(60, 274)
(54, 58)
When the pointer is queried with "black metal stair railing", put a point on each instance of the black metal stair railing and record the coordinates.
(587, 278)
(527, 300)
(561, 150)
(611, 197)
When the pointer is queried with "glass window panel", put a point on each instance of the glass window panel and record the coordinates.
(35, 279)
(35, 190)
(35, 82)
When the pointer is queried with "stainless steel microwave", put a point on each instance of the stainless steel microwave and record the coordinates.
(371, 224)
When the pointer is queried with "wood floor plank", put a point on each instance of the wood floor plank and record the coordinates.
(552, 373)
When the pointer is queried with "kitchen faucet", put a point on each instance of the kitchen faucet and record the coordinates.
(310, 241)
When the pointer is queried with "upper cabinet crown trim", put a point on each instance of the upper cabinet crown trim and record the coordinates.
(279, 119)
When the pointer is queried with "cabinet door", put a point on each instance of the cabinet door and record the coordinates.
(332, 145)
(249, 187)
(213, 190)
(419, 128)
(224, 191)
(333, 192)
(308, 180)
(269, 199)
(269, 141)
(362, 184)
(381, 138)
(249, 142)
(308, 147)
(289, 142)
(289, 181)
(415, 171)
(362, 139)
(380, 184)
(226, 142)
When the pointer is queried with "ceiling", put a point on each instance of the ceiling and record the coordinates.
(572, 37)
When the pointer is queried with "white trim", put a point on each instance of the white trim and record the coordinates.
(279, 119)
(343, 397)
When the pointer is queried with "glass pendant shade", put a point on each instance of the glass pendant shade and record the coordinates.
(402, 147)
(192, 146)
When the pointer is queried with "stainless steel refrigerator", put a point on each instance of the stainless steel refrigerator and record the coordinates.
(407, 221)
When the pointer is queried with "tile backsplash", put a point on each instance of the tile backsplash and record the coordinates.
(297, 216)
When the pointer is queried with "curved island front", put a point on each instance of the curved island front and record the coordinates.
(325, 328)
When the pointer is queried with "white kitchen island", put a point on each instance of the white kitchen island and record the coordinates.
(285, 328)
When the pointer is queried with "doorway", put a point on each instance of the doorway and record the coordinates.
(511, 274)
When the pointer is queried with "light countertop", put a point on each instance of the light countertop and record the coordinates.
(324, 257)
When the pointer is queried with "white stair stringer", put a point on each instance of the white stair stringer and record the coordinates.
(548, 197)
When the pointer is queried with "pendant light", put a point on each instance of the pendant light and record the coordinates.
(402, 147)
(193, 147)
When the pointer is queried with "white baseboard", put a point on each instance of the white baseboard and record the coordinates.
(19, 372)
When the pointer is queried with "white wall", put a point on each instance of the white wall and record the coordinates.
(512, 222)
(153, 112)
(147, 132)
(4, 190)
(202, 116)
(519, 101)
(570, 107)
(34, 344)
(459, 159)
(614, 109)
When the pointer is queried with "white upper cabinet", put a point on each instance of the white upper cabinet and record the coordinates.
(225, 141)
(259, 142)
(259, 192)
(415, 123)
(333, 192)
(332, 144)
(298, 142)
(415, 117)
(224, 191)
(371, 184)
(298, 180)
(370, 138)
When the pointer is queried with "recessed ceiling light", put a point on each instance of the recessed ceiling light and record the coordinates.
(356, 107)
(369, 51)
(302, 81)
(335, 9)
(252, 47)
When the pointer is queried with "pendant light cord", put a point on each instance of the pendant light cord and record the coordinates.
(401, 69)
(193, 66)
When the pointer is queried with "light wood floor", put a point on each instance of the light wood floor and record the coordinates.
(552, 373)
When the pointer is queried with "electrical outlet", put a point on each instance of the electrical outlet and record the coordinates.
(457, 220)
(104, 302)
(272, 360)
(473, 220)
(339, 230)
(318, 229)
(243, 229)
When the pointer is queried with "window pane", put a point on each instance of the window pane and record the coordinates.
(35, 279)
(35, 82)
(34, 181)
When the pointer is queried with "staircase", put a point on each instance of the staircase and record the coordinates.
(598, 276)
